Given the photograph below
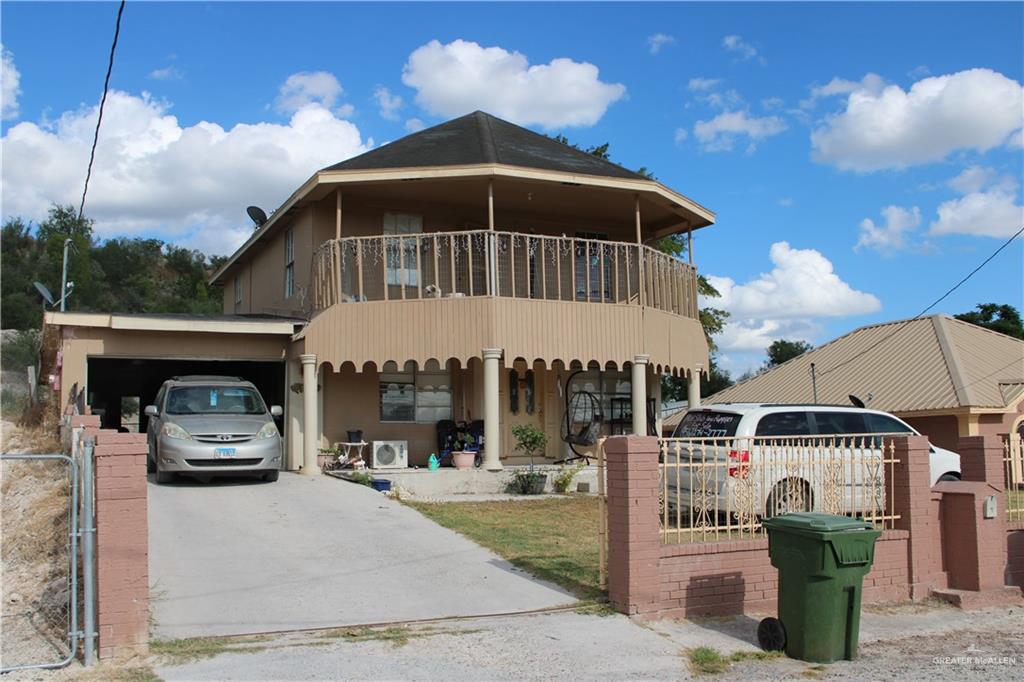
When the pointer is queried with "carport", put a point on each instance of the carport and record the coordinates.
(115, 363)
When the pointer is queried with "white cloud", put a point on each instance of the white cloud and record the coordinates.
(730, 99)
(891, 235)
(803, 284)
(168, 73)
(785, 202)
(658, 41)
(309, 87)
(785, 302)
(153, 176)
(10, 85)
(743, 50)
(722, 132)
(459, 77)
(992, 213)
(680, 135)
(972, 179)
(414, 125)
(772, 103)
(389, 104)
(888, 127)
(703, 84)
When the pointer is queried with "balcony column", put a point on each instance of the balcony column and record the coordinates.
(310, 431)
(492, 428)
(640, 394)
(693, 389)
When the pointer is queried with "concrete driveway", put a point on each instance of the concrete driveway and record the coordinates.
(239, 556)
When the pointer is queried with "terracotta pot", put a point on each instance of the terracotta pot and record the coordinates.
(463, 460)
(324, 460)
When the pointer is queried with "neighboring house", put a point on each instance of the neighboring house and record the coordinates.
(945, 377)
(461, 273)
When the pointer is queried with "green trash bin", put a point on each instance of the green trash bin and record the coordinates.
(822, 560)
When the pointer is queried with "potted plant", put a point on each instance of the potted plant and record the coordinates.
(461, 457)
(563, 479)
(326, 458)
(529, 440)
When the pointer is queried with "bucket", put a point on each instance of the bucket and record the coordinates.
(355, 436)
(382, 485)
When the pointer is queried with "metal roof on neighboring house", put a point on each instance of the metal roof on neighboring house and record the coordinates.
(479, 138)
(928, 363)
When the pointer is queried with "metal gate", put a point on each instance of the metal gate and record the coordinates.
(39, 551)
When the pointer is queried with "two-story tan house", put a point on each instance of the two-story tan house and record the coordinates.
(463, 272)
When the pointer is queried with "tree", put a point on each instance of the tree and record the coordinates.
(782, 350)
(1004, 319)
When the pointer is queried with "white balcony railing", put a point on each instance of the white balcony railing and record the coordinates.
(503, 264)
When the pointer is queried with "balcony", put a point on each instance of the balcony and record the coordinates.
(484, 263)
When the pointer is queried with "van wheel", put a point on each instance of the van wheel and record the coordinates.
(164, 477)
(271, 476)
(788, 496)
(949, 477)
(150, 464)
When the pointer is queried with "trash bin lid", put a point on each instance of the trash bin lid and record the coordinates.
(815, 522)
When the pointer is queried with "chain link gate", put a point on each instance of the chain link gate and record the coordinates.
(39, 543)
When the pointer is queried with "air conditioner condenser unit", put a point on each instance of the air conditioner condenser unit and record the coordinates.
(390, 454)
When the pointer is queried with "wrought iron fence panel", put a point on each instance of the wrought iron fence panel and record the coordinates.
(722, 488)
(1013, 459)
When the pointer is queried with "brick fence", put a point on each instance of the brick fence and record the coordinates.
(122, 538)
(912, 561)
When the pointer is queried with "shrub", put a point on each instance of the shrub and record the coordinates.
(529, 439)
(563, 479)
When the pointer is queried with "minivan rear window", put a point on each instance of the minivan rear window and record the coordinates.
(839, 423)
(708, 424)
(784, 424)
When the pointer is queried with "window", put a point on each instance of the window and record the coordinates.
(588, 266)
(708, 424)
(415, 396)
(289, 263)
(604, 386)
(784, 424)
(238, 292)
(402, 224)
(214, 400)
(830, 423)
(880, 423)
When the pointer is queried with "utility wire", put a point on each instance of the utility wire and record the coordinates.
(900, 328)
(103, 101)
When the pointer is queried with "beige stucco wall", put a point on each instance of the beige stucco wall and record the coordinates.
(420, 330)
(79, 343)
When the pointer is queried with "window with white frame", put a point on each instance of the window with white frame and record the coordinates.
(238, 292)
(415, 396)
(402, 224)
(289, 263)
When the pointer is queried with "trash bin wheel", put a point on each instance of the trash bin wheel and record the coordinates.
(771, 634)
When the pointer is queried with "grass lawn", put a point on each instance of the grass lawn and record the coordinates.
(554, 539)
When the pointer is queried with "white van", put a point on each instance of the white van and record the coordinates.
(749, 457)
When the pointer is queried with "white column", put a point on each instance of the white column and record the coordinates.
(640, 394)
(310, 430)
(492, 428)
(656, 394)
(693, 389)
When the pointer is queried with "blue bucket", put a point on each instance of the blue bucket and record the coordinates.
(382, 485)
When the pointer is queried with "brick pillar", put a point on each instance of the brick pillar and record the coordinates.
(122, 544)
(981, 460)
(918, 508)
(975, 545)
(634, 542)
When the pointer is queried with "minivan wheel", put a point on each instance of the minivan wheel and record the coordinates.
(271, 476)
(150, 464)
(791, 495)
(949, 477)
(163, 477)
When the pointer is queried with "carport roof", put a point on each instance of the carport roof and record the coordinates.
(232, 324)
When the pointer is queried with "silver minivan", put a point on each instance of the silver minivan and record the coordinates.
(207, 425)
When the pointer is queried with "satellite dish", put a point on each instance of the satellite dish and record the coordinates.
(857, 402)
(44, 292)
(258, 215)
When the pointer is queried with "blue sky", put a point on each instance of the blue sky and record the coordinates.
(880, 142)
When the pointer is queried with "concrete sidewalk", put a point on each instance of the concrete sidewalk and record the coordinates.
(239, 556)
(907, 642)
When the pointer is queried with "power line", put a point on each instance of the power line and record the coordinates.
(933, 304)
(103, 101)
